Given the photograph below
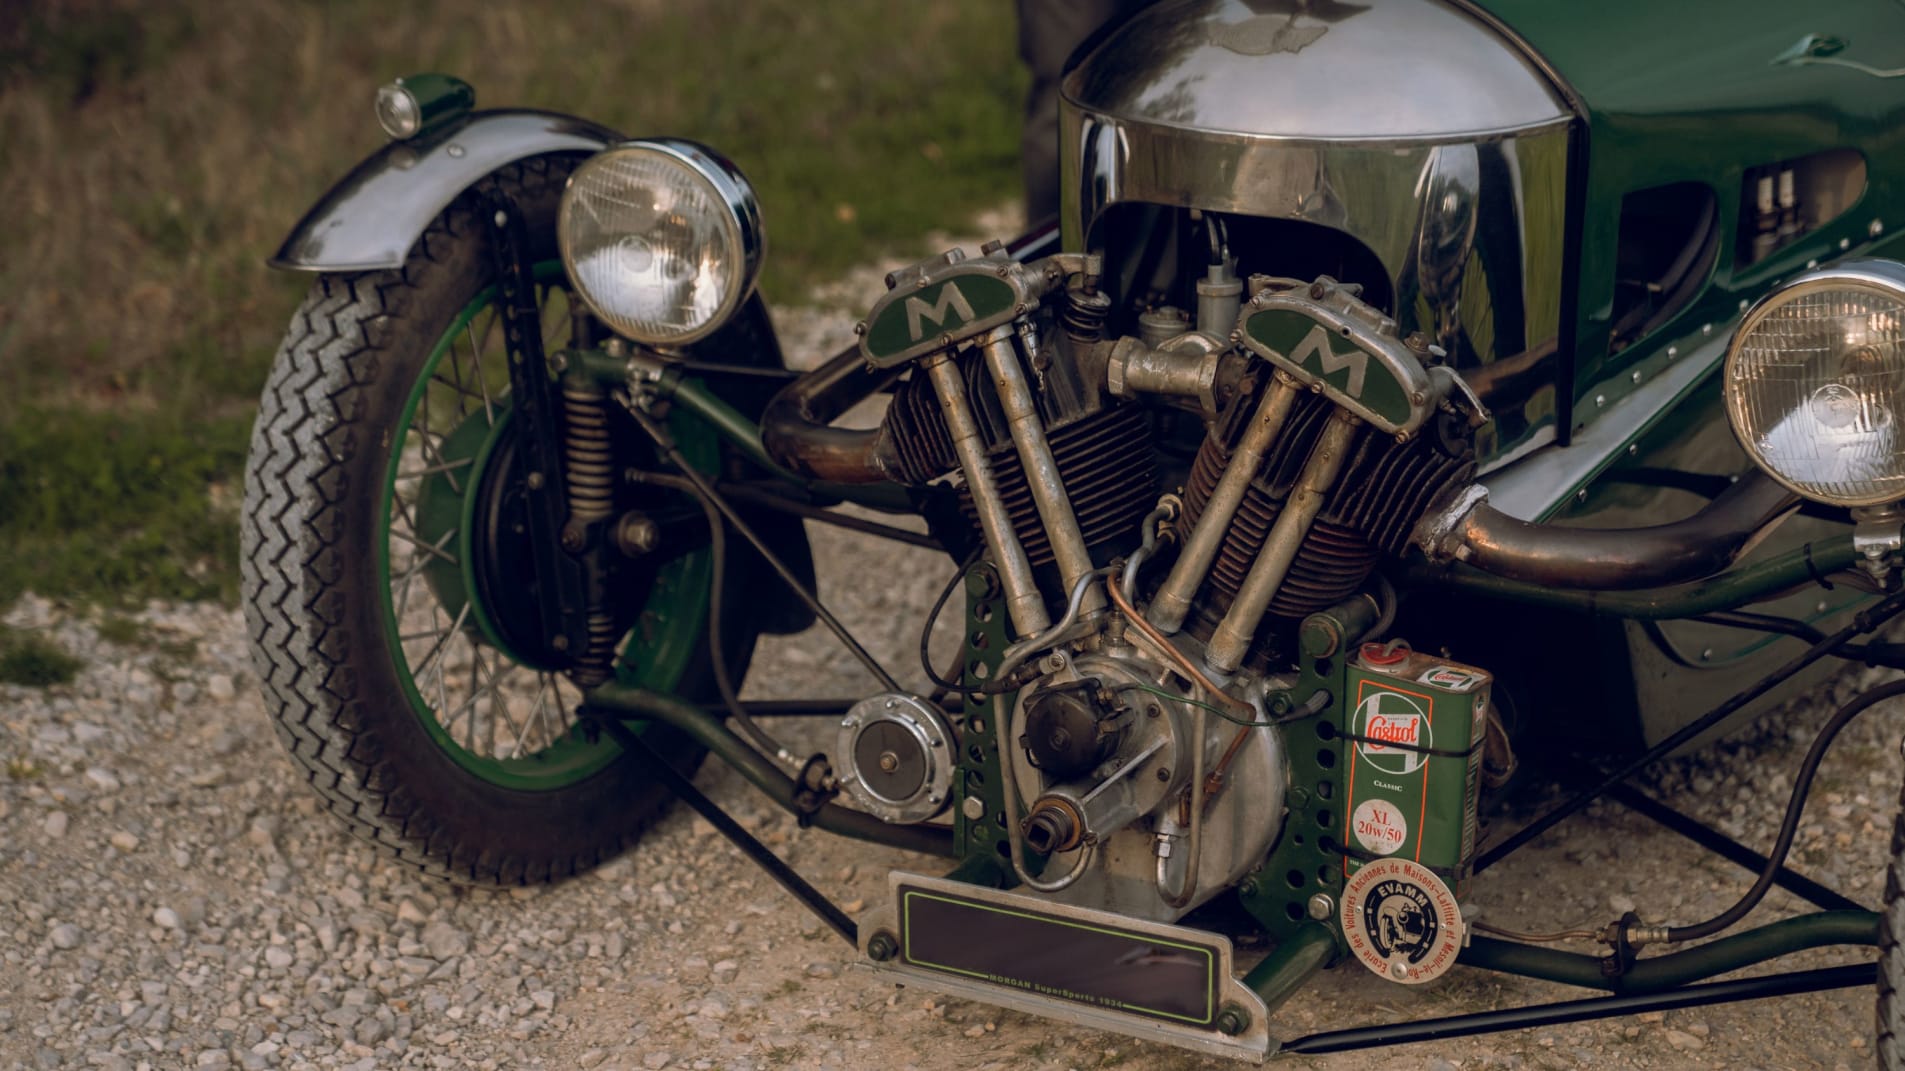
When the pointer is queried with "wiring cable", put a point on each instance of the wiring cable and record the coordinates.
(1802, 785)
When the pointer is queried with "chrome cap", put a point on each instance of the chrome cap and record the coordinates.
(1416, 130)
(1409, 70)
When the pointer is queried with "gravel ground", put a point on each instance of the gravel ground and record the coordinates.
(173, 897)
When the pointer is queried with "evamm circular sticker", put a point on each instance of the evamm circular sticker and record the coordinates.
(1401, 921)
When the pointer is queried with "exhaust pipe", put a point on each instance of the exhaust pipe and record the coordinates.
(1608, 559)
(796, 427)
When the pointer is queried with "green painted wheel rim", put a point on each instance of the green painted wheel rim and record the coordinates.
(499, 719)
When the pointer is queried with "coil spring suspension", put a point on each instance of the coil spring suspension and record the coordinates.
(588, 461)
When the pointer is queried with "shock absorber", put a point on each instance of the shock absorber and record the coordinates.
(588, 464)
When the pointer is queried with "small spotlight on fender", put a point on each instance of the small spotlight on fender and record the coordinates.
(414, 103)
(397, 111)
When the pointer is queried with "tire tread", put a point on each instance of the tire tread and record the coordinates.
(297, 495)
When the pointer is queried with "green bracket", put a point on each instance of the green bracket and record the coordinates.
(979, 833)
(1307, 860)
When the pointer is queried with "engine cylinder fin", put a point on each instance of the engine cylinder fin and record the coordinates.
(1110, 473)
(1390, 486)
(1386, 487)
(919, 432)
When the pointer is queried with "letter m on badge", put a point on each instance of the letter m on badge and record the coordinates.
(1328, 362)
(951, 303)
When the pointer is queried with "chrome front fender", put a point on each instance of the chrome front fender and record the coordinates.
(371, 217)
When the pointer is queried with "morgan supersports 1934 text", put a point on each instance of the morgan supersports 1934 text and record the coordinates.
(1392, 364)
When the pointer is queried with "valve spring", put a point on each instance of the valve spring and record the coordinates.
(1083, 315)
(588, 457)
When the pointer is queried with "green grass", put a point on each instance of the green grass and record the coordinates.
(157, 154)
(31, 659)
(119, 505)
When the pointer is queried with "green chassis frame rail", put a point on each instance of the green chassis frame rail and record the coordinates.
(1303, 945)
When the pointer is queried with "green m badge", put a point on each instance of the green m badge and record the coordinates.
(1363, 379)
(909, 322)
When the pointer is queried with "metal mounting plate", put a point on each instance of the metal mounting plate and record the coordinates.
(1095, 968)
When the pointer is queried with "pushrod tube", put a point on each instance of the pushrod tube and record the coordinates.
(1041, 469)
(1239, 627)
(1173, 601)
(1022, 600)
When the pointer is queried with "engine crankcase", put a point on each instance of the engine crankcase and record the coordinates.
(1145, 783)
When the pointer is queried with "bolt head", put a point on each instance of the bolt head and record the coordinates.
(974, 808)
(1233, 1020)
(882, 946)
(1320, 907)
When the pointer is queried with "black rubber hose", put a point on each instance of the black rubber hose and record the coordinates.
(1794, 808)
(723, 680)
(932, 618)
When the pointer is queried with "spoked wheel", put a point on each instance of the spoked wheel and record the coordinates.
(389, 581)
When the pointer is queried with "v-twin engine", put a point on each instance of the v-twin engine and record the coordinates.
(1154, 607)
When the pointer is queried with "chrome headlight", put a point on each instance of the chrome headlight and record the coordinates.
(662, 238)
(1815, 383)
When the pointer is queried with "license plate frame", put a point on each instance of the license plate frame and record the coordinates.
(1152, 980)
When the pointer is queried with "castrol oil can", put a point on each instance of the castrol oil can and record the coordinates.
(1414, 744)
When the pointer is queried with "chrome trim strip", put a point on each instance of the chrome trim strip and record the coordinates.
(1536, 487)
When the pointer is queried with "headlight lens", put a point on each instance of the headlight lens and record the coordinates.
(1815, 383)
(661, 238)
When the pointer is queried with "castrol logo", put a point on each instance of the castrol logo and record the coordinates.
(1395, 730)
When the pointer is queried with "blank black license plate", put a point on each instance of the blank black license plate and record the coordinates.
(1082, 960)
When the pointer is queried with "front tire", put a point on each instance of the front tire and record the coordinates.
(429, 733)
(1891, 987)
